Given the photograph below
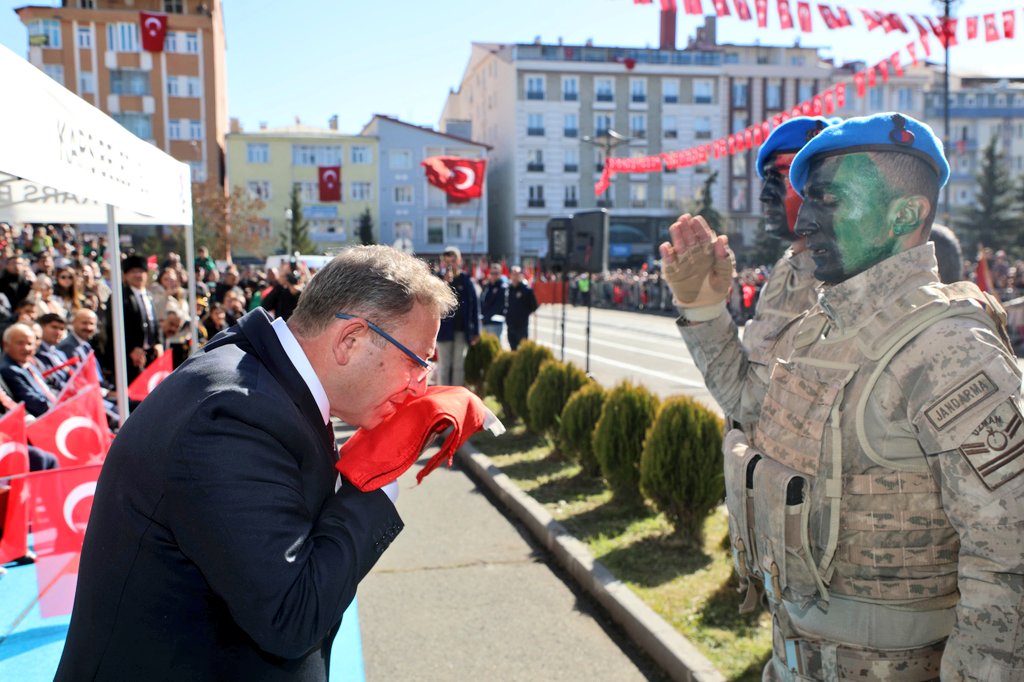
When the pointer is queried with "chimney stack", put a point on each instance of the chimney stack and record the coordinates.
(235, 125)
(332, 122)
(668, 29)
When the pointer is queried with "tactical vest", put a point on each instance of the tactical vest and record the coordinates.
(814, 509)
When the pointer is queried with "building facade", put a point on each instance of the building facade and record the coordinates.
(413, 213)
(267, 163)
(175, 99)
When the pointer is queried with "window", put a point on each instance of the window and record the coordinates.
(638, 126)
(773, 94)
(457, 230)
(197, 169)
(84, 37)
(669, 196)
(604, 89)
(739, 164)
(361, 154)
(702, 91)
(435, 231)
(534, 160)
(258, 189)
(129, 82)
(535, 87)
(191, 43)
(534, 124)
(638, 195)
(572, 125)
(740, 194)
(536, 199)
(173, 88)
(403, 229)
(86, 4)
(739, 94)
(362, 191)
(668, 127)
(805, 92)
(87, 83)
(570, 88)
(572, 160)
(400, 159)
(174, 129)
(123, 37)
(403, 194)
(174, 6)
(309, 192)
(139, 124)
(905, 99)
(54, 71)
(598, 159)
(195, 130)
(638, 90)
(875, 99)
(670, 90)
(193, 86)
(171, 41)
(702, 128)
(49, 29)
(257, 152)
(571, 199)
(602, 124)
(316, 155)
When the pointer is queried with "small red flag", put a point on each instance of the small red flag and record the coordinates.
(785, 17)
(923, 34)
(895, 23)
(829, 99)
(883, 68)
(461, 179)
(982, 275)
(668, 5)
(721, 8)
(872, 19)
(761, 8)
(85, 377)
(912, 49)
(154, 30)
(75, 430)
(944, 30)
(803, 14)
(840, 95)
(330, 183)
(830, 19)
(692, 7)
(972, 27)
(844, 18)
(991, 30)
(742, 10)
(155, 372)
(1009, 19)
(14, 462)
(858, 79)
(897, 68)
(642, 2)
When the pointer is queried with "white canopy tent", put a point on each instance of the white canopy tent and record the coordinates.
(63, 160)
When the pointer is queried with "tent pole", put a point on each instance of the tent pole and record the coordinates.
(117, 323)
(190, 263)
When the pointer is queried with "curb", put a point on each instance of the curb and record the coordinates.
(669, 649)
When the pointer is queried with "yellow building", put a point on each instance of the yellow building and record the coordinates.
(268, 162)
(176, 99)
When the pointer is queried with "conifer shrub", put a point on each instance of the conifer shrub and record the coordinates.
(521, 375)
(496, 375)
(681, 466)
(478, 360)
(627, 413)
(546, 399)
(576, 427)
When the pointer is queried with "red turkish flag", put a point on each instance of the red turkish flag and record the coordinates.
(761, 8)
(721, 8)
(693, 7)
(14, 462)
(912, 49)
(883, 68)
(742, 10)
(945, 31)
(844, 18)
(668, 5)
(75, 430)
(1009, 19)
(991, 30)
(872, 19)
(63, 502)
(828, 102)
(330, 183)
(830, 19)
(785, 17)
(803, 14)
(872, 81)
(895, 23)
(85, 377)
(154, 29)
(155, 372)
(461, 179)
(840, 95)
(972, 27)
(897, 68)
(858, 79)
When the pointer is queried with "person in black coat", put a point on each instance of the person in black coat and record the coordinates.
(460, 330)
(494, 301)
(521, 304)
(141, 326)
(222, 544)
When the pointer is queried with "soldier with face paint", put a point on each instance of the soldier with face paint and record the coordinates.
(879, 498)
(787, 293)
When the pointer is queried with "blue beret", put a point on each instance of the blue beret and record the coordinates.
(791, 136)
(888, 132)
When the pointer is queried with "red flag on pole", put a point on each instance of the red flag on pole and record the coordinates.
(14, 462)
(972, 27)
(982, 275)
(1009, 19)
(329, 183)
(803, 14)
(461, 179)
(785, 17)
(155, 372)
(761, 8)
(85, 377)
(154, 30)
(743, 10)
(75, 430)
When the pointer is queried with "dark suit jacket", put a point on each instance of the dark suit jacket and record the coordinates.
(135, 333)
(23, 387)
(218, 548)
(48, 357)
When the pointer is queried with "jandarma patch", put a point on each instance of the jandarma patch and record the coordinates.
(996, 448)
(960, 400)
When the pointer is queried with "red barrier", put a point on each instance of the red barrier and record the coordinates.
(550, 292)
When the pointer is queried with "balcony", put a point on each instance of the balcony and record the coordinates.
(605, 97)
(571, 168)
(671, 134)
(702, 135)
(638, 99)
(570, 96)
(601, 132)
(571, 132)
(534, 94)
(535, 167)
(671, 99)
(702, 99)
(535, 132)
(535, 203)
(571, 203)
(605, 203)
(638, 203)
(639, 134)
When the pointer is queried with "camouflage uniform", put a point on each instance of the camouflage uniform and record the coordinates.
(737, 375)
(879, 497)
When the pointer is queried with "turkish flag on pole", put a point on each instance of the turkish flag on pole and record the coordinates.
(86, 376)
(155, 372)
(785, 17)
(14, 462)
(742, 10)
(63, 502)
(75, 430)
(330, 183)
(461, 179)
(803, 13)
(154, 30)
(1009, 19)
(982, 276)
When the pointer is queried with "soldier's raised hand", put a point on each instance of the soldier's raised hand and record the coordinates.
(697, 263)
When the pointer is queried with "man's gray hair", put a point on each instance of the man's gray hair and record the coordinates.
(375, 282)
(18, 327)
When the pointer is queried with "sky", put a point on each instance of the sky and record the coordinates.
(315, 58)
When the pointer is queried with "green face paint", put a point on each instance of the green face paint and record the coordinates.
(844, 216)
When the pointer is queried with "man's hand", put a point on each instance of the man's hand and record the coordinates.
(138, 357)
(697, 264)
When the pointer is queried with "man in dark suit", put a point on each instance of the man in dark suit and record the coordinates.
(50, 360)
(222, 543)
(141, 328)
(19, 372)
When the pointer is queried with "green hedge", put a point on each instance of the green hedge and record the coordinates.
(526, 363)
(496, 375)
(627, 413)
(576, 430)
(546, 399)
(478, 360)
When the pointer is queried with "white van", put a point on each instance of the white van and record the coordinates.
(313, 262)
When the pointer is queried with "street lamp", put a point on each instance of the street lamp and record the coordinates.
(607, 140)
(288, 215)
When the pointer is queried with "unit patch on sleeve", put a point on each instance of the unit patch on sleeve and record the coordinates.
(960, 400)
(995, 450)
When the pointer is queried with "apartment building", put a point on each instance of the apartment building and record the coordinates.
(269, 162)
(175, 99)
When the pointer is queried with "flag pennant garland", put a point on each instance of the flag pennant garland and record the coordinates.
(897, 68)
(895, 23)
(912, 49)
(803, 14)
(785, 17)
(830, 19)
(883, 68)
(761, 7)
(991, 30)
(872, 19)
(742, 10)
(972, 27)
(721, 8)
(1009, 19)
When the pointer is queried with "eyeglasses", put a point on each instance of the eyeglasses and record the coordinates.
(426, 365)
